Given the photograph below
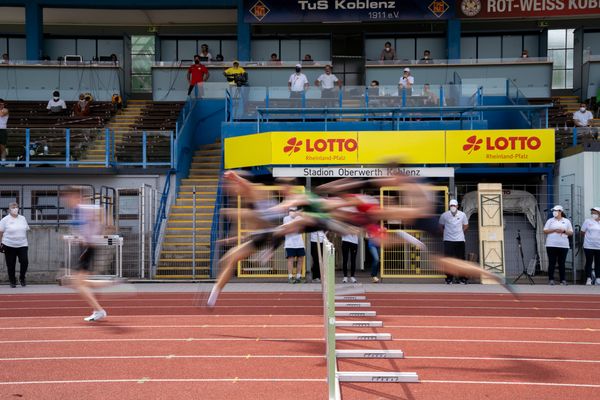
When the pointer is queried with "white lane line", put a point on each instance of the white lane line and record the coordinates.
(284, 326)
(192, 380)
(513, 383)
(160, 357)
(253, 339)
(454, 358)
(264, 339)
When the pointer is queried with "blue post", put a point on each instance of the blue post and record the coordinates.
(442, 102)
(243, 33)
(575, 136)
(68, 149)
(403, 97)
(507, 88)
(453, 39)
(144, 155)
(106, 147)
(172, 141)
(34, 30)
(27, 140)
(546, 117)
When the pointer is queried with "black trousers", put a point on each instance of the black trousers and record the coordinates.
(557, 254)
(349, 250)
(315, 268)
(11, 254)
(454, 250)
(592, 256)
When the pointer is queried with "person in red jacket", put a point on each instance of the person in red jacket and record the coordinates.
(197, 74)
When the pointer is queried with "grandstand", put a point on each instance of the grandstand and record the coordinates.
(477, 113)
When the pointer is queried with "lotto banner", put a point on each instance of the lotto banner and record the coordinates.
(500, 9)
(299, 11)
(500, 146)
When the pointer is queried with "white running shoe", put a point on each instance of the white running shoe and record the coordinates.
(588, 282)
(96, 316)
(214, 295)
(345, 280)
(353, 279)
(597, 281)
(375, 279)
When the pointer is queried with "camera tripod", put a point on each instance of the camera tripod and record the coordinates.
(525, 269)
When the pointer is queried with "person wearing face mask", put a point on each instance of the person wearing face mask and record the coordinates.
(591, 245)
(81, 107)
(297, 85)
(406, 82)
(388, 53)
(197, 74)
(13, 243)
(56, 105)
(582, 117)
(558, 229)
(525, 54)
(426, 59)
(454, 223)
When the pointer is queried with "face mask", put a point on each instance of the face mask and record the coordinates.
(555, 213)
(582, 109)
(524, 56)
(453, 209)
(56, 98)
(388, 49)
(298, 69)
(14, 211)
(426, 57)
(595, 216)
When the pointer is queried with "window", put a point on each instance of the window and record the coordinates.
(560, 50)
(142, 58)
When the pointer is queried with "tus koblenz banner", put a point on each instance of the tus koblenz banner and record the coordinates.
(298, 11)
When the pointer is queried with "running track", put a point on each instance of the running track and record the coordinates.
(270, 346)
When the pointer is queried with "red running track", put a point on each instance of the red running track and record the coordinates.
(270, 346)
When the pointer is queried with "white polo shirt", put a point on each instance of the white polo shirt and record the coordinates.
(14, 231)
(453, 226)
(318, 236)
(56, 105)
(558, 239)
(584, 118)
(350, 239)
(405, 80)
(327, 81)
(298, 81)
(592, 234)
(293, 240)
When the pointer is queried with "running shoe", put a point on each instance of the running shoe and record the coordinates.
(298, 280)
(96, 316)
(316, 280)
(291, 280)
(375, 279)
(353, 279)
(212, 298)
(345, 280)
(597, 281)
(564, 283)
(551, 283)
(588, 282)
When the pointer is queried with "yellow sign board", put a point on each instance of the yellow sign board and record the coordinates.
(500, 146)
(378, 147)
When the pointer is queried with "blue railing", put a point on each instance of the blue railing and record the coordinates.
(161, 215)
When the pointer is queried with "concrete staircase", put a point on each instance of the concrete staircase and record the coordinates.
(569, 103)
(183, 245)
(120, 123)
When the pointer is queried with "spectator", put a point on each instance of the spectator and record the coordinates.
(308, 59)
(297, 85)
(294, 249)
(3, 131)
(274, 59)
(591, 245)
(426, 59)
(388, 53)
(219, 58)
(524, 54)
(406, 82)
(204, 53)
(114, 59)
(374, 88)
(373, 248)
(13, 243)
(454, 223)
(236, 75)
(431, 99)
(197, 74)
(316, 241)
(117, 102)
(56, 105)
(558, 228)
(82, 106)
(349, 249)
(582, 117)
(327, 82)
(5, 59)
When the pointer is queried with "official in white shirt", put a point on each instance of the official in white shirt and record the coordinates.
(294, 249)
(328, 81)
(349, 251)
(582, 117)
(56, 105)
(591, 245)
(316, 239)
(558, 229)
(13, 243)
(297, 84)
(406, 82)
(454, 224)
